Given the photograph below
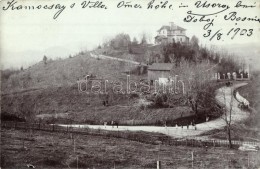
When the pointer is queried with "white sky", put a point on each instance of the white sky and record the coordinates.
(27, 35)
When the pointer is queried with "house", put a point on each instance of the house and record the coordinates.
(160, 72)
(171, 33)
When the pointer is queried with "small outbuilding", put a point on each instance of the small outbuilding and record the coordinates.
(158, 71)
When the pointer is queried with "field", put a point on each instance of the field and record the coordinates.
(59, 150)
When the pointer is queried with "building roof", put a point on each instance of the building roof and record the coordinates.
(168, 28)
(161, 66)
(161, 37)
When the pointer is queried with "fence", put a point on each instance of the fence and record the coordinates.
(142, 137)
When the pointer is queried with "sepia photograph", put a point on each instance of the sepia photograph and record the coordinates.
(135, 84)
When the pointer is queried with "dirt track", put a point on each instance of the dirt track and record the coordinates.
(224, 96)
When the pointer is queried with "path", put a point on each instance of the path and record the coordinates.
(117, 59)
(237, 116)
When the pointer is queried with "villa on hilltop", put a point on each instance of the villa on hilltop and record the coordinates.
(171, 33)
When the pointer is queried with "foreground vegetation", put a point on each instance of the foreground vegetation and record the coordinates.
(57, 150)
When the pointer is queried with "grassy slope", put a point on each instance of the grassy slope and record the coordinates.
(71, 105)
(52, 89)
(55, 150)
(64, 72)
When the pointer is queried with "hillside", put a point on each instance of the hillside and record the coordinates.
(49, 92)
(135, 52)
(64, 72)
(67, 104)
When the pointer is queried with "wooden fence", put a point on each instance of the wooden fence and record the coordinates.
(143, 137)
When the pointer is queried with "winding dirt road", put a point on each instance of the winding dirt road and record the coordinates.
(224, 96)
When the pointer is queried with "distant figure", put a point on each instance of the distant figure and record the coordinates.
(234, 75)
(229, 75)
(105, 124)
(105, 103)
(228, 84)
(191, 124)
(207, 119)
(116, 123)
(106, 99)
(112, 123)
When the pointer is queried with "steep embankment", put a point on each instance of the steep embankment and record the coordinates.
(251, 92)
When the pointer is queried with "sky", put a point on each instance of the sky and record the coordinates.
(27, 35)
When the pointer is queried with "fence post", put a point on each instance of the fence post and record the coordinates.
(192, 158)
(74, 145)
(34, 127)
(77, 161)
(248, 160)
(159, 164)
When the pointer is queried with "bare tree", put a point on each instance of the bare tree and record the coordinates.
(194, 42)
(120, 41)
(202, 96)
(198, 86)
(145, 38)
(134, 42)
(45, 59)
(227, 110)
(191, 85)
(106, 41)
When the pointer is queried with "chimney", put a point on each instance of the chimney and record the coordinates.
(172, 25)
